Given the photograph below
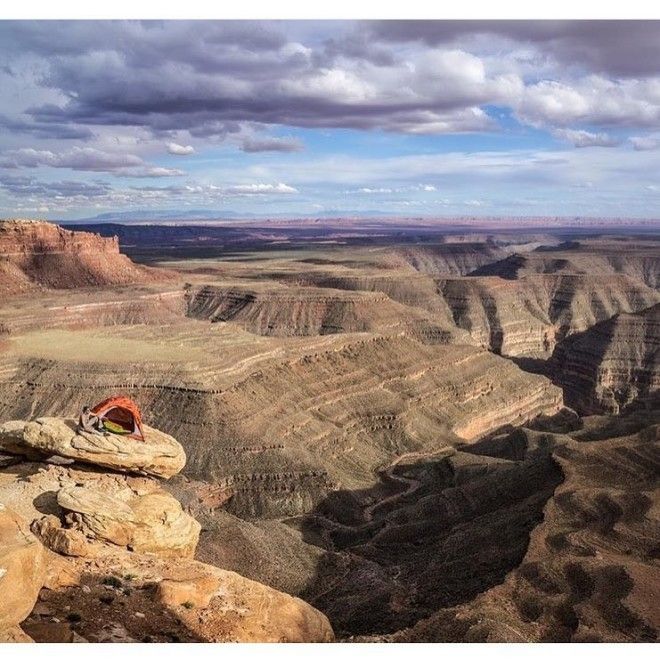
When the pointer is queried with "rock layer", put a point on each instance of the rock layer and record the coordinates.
(612, 365)
(38, 254)
(527, 317)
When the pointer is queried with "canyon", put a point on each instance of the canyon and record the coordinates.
(425, 434)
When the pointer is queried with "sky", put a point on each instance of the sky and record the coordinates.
(330, 118)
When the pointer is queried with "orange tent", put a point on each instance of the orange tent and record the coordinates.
(121, 415)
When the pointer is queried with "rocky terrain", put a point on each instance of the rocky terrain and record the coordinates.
(426, 436)
(93, 555)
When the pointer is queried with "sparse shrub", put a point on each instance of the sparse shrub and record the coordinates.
(73, 617)
(112, 581)
(188, 605)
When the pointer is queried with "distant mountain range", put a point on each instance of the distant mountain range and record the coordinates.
(189, 215)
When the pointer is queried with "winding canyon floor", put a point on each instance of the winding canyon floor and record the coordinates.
(378, 423)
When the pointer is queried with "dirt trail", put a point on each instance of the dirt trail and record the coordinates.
(410, 485)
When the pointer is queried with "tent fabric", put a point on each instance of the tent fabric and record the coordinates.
(120, 414)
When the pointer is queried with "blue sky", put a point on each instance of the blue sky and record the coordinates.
(327, 118)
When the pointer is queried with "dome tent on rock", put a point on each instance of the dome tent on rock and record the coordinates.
(121, 415)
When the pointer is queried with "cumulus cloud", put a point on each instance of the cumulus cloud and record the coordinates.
(149, 172)
(64, 194)
(180, 149)
(133, 76)
(109, 98)
(594, 100)
(579, 138)
(375, 191)
(210, 77)
(48, 131)
(284, 145)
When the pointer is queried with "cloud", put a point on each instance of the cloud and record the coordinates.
(423, 77)
(86, 159)
(621, 48)
(387, 191)
(204, 77)
(179, 149)
(213, 192)
(645, 143)
(52, 131)
(79, 158)
(64, 195)
(28, 186)
(579, 138)
(593, 100)
(150, 172)
(284, 145)
(261, 189)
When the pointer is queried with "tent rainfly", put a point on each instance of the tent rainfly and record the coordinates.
(120, 415)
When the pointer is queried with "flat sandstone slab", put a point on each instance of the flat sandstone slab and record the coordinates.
(159, 455)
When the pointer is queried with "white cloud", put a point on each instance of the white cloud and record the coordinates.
(592, 100)
(180, 149)
(579, 138)
(149, 172)
(258, 144)
(375, 191)
(261, 189)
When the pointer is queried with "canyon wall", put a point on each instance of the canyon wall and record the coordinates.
(37, 255)
(613, 364)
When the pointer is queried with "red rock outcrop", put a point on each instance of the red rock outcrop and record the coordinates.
(35, 254)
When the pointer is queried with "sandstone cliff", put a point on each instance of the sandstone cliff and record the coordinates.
(613, 364)
(35, 254)
(528, 316)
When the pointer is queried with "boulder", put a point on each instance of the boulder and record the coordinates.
(69, 542)
(210, 604)
(23, 567)
(153, 522)
(159, 455)
(241, 610)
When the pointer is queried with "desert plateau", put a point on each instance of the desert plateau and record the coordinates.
(430, 435)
